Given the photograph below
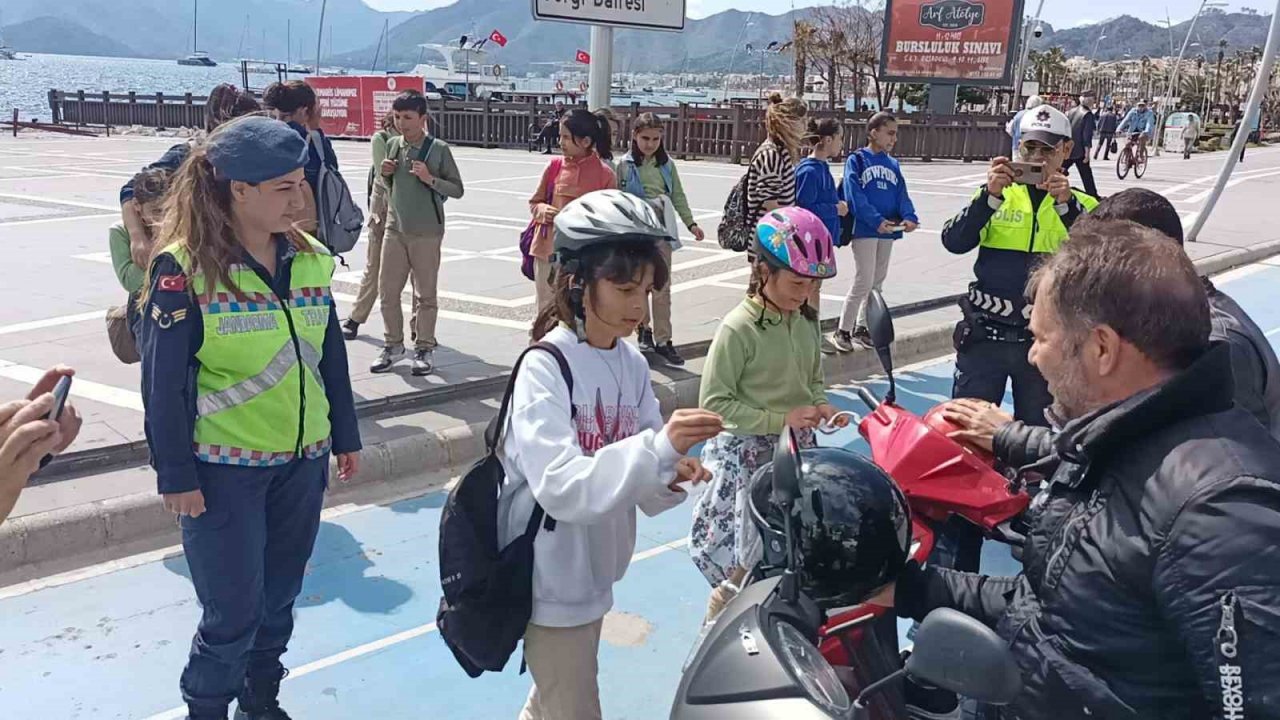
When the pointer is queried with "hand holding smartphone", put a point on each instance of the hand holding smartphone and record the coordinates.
(61, 392)
(1026, 173)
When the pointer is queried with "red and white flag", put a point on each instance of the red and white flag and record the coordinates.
(583, 57)
(499, 38)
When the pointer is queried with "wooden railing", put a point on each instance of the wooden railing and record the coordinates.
(692, 131)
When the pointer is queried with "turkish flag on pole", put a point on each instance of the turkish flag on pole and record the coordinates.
(499, 38)
(584, 57)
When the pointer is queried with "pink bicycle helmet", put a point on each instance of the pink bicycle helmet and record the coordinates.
(795, 239)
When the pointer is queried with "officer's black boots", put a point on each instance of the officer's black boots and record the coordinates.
(258, 700)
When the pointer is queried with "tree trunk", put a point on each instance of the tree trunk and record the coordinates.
(833, 78)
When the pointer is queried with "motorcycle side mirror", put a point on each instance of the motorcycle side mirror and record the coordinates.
(786, 470)
(880, 327)
(784, 493)
(956, 652)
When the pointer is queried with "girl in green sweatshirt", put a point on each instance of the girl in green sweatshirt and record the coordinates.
(763, 373)
(647, 171)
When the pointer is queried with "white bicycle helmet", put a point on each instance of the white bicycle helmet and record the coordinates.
(604, 217)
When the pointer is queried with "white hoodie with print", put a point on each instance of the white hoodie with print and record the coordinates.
(589, 473)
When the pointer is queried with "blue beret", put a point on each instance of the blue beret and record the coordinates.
(256, 149)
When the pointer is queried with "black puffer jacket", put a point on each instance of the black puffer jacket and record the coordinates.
(1165, 509)
(1253, 365)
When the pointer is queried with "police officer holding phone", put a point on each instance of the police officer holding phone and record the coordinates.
(1023, 212)
(1019, 216)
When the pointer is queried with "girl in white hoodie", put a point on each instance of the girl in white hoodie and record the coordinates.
(591, 469)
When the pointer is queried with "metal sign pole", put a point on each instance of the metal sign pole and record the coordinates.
(600, 76)
(1246, 124)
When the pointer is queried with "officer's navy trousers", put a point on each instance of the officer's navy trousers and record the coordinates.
(984, 367)
(247, 554)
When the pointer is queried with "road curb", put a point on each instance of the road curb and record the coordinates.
(1222, 262)
(59, 536)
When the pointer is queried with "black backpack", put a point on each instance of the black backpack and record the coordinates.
(737, 231)
(488, 590)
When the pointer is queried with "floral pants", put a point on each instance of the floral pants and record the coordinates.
(723, 537)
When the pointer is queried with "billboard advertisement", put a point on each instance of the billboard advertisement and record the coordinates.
(352, 105)
(966, 42)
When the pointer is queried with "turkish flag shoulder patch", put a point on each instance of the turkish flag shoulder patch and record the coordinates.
(172, 283)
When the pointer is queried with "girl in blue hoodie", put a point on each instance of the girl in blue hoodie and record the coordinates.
(815, 188)
(877, 193)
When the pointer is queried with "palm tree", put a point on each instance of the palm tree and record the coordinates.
(802, 43)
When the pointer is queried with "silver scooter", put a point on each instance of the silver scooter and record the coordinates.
(759, 660)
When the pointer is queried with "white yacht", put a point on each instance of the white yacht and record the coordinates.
(459, 72)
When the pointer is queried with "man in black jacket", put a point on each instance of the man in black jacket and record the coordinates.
(1107, 125)
(1151, 586)
(1083, 125)
(1253, 361)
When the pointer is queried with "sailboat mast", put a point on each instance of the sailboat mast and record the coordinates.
(195, 18)
(288, 43)
(320, 35)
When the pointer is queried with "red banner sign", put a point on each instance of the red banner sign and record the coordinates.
(967, 42)
(353, 105)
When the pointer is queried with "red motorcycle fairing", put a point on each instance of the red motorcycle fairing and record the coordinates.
(939, 477)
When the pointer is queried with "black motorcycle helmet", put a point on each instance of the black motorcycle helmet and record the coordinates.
(851, 523)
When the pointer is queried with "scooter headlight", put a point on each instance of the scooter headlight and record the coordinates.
(811, 670)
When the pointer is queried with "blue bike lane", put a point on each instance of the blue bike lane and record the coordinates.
(110, 641)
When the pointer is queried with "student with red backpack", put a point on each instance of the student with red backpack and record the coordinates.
(585, 142)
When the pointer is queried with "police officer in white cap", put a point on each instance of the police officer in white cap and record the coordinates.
(1020, 215)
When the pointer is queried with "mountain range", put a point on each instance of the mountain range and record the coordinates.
(706, 44)
(1127, 36)
(257, 28)
(162, 28)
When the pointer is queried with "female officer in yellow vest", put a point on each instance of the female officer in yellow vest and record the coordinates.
(247, 394)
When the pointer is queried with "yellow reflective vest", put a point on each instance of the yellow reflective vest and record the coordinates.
(1015, 226)
(260, 400)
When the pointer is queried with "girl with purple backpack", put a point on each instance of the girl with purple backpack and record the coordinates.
(585, 142)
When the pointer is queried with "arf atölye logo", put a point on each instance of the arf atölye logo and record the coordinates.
(952, 14)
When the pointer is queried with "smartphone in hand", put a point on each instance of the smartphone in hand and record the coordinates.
(1027, 173)
(60, 393)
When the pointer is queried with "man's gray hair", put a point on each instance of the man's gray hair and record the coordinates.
(1132, 279)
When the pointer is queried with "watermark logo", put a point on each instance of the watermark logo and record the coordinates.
(952, 14)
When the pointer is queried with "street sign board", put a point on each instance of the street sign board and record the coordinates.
(642, 14)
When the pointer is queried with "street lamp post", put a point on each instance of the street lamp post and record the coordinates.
(1101, 36)
(1177, 66)
(1026, 48)
(734, 55)
(1252, 108)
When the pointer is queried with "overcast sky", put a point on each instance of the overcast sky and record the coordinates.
(1061, 13)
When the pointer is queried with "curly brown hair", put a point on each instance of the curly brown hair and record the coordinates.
(782, 121)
